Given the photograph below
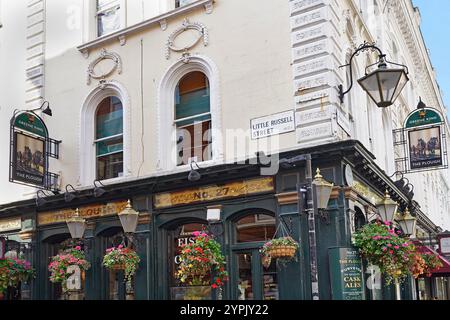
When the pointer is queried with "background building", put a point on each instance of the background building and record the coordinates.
(113, 71)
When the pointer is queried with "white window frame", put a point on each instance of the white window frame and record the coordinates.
(113, 137)
(167, 158)
(87, 146)
(93, 24)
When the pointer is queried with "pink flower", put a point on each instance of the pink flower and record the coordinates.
(397, 247)
(120, 246)
(196, 233)
(391, 251)
(384, 249)
(389, 245)
(387, 223)
(78, 248)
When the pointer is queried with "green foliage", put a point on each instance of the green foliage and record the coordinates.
(59, 264)
(381, 245)
(13, 271)
(201, 258)
(122, 256)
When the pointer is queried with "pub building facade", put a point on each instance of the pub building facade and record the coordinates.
(143, 95)
(171, 208)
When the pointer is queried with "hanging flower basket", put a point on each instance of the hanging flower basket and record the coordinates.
(280, 248)
(199, 260)
(122, 258)
(118, 267)
(59, 264)
(382, 246)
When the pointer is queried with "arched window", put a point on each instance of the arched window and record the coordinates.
(109, 139)
(193, 118)
(255, 227)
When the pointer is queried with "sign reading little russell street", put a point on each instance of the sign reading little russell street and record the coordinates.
(347, 281)
(272, 125)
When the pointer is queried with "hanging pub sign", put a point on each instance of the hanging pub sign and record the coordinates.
(423, 140)
(30, 149)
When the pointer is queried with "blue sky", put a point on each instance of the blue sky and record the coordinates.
(436, 32)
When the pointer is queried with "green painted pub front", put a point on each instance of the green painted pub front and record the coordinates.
(247, 221)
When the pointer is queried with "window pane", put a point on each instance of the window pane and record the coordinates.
(104, 4)
(108, 21)
(257, 227)
(109, 119)
(109, 146)
(194, 141)
(109, 167)
(270, 282)
(192, 95)
(245, 281)
(180, 3)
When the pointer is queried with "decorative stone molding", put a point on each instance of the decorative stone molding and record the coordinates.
(202, 33)
(316, 48)
(103, 56)
(122, 40)
(35, 54)
(209, 7)
(163, 24)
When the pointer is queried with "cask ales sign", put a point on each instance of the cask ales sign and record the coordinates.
(346, 274)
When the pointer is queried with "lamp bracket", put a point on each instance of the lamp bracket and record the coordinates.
(366, 46)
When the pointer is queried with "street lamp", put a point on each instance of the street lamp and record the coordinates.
(323, 190)
(408, 224)
(129, 218)
(76, 225)
(383, 85)
(387, 208)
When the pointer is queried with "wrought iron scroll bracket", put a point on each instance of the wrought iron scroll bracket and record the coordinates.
(366, 46)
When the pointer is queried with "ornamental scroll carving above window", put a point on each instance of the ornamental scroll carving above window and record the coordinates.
(202, 34)
(104, 55)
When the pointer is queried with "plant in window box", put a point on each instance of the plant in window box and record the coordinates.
(280, 248)
(59, 264)
(122, 258)
(199, 260)
(382, 246)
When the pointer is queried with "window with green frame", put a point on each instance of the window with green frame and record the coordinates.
(109, 139)
(193, 118)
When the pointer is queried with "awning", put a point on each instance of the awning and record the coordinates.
(436, 272)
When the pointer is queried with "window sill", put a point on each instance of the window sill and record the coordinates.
(121, 35)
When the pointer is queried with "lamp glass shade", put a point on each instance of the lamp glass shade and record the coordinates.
(323, 190)
(387, 208)
(76, 227)
(408, 224)
(129, 218)
(384, 85)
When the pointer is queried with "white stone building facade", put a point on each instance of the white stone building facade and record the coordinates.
(260, 57)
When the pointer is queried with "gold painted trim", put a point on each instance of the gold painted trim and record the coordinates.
(287, 198)
(10, 224)
(87, 212)
(214, 192)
